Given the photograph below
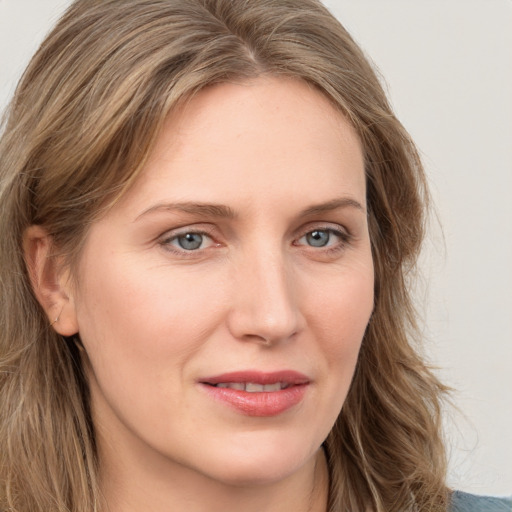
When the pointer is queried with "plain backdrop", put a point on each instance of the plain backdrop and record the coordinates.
(447, 66)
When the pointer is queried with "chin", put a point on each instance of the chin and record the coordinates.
(254, 464)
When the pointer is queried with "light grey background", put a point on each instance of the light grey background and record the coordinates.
(447, 65)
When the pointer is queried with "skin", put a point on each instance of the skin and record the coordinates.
(257, 294)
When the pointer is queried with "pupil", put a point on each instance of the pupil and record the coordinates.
(190, 241)
(318, 238)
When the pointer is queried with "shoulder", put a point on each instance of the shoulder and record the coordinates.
(464, 502)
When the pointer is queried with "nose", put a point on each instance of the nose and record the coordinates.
(265, 304)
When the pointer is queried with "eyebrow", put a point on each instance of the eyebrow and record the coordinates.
(334, 204)
(204, 209)
(223, 211)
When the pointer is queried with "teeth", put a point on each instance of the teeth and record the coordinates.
(252, 387)
(232, 385)
(273, 387)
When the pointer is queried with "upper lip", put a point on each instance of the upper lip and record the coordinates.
(290, 377)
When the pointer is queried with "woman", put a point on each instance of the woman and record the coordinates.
(209, 215)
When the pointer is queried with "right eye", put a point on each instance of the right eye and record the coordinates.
(188, 241)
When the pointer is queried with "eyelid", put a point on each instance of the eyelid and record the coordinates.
(338, 229)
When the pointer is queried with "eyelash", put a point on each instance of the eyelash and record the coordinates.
(329, 249)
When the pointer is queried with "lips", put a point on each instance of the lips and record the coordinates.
(255, 393)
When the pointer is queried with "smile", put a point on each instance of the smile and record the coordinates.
(260, 394)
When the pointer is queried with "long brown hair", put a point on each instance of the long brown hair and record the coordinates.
(82, 122)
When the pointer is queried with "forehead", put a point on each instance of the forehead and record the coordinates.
(252, 139)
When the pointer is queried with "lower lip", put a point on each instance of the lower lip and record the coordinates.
(261, 404)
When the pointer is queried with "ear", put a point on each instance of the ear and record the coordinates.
(50, 281)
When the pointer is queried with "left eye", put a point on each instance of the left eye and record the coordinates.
(190, 241)
(320, 238)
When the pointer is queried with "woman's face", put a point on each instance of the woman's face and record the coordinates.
(223, 301)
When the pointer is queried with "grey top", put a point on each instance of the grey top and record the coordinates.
(464, 502)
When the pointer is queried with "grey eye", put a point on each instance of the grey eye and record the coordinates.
(190, 241)
(318, 238)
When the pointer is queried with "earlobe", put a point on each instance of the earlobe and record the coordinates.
(50, 281)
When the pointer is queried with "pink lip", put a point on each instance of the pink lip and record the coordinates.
(265, 403)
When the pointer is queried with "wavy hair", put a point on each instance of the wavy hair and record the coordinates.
(82, 122)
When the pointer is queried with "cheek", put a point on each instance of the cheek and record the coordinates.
(138, 315)
(343, 307)
(141, 326)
